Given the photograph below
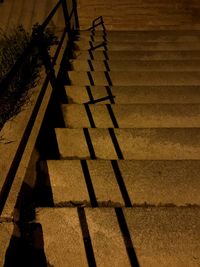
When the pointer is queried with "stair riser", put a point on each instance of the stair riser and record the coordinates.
(122, 65)
(136, 78)
(132, 116)
(135, 94)
(138, 55)
(157, 46)
(127, 38)
(134, 144)
(154, 182)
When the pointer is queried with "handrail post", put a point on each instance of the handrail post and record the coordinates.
(66, 15)
(74, 2)
(39, 41)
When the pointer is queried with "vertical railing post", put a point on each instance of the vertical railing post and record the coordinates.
(39, 42)
(66, 16)
(74, 2)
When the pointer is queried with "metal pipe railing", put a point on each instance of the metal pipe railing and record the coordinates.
(37, 40)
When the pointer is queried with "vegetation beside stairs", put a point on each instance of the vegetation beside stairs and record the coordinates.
(14, 95)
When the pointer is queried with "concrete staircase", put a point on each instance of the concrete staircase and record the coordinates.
(126, 190)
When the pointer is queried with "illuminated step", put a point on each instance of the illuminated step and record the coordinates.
(135, 65)
(138, 144)
(127, 78)
(132, 116)
(120, 237)
(133, 94)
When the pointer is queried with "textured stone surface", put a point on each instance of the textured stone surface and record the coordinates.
(140, 46)
(107, 241)
(102, 143)
(137, 78)
(65, 176)
(105, 184)
(72, 143)
(137, 94)
(162, 182)
(137, 65)
(140, 55)
(63, 241)
(147, 36)
(134, 116)
(6, 232)
(75, 116)
(141, 15)
(159, 144)
(165, 236)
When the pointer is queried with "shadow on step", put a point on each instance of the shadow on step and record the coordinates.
(26, 247)
(43, 191)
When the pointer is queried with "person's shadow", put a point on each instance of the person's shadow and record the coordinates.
(26, 248)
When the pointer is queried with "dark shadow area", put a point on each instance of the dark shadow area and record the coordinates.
(43, 193)
(26, 247)
(127, 238)
(46, 143)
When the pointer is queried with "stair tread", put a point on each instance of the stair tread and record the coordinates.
(139, 46)
(158, 236)
(135, 94)
(140, 55)
(6, 234)
(174, 32)
(66, 175)
(141, 144)
(62, 237)
(135, 65)
(151, 182)
(133, 115)
(128, 78)
(149, 36)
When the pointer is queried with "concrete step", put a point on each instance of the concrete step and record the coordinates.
(132, 116)
(8, 231)
(137, 55)
(141, 16)
(135, 94)
(122, 237)
(135, 65)
(138, 144)
(140, 36)
(151, 182)
(127, 78)
(138, 46)
(65, 175)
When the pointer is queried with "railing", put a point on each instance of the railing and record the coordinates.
(69, 12)
(37, 40)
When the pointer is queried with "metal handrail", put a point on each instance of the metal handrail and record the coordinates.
(38, 41)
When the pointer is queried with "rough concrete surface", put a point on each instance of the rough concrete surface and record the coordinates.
(106, 238)
(175, 183)
(134, 116)
(62, 237)
(64, 177)
(137, 94)
(72, 143)
(6, 232)
(165, 236)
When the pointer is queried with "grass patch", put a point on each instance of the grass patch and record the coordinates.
(14, 94)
